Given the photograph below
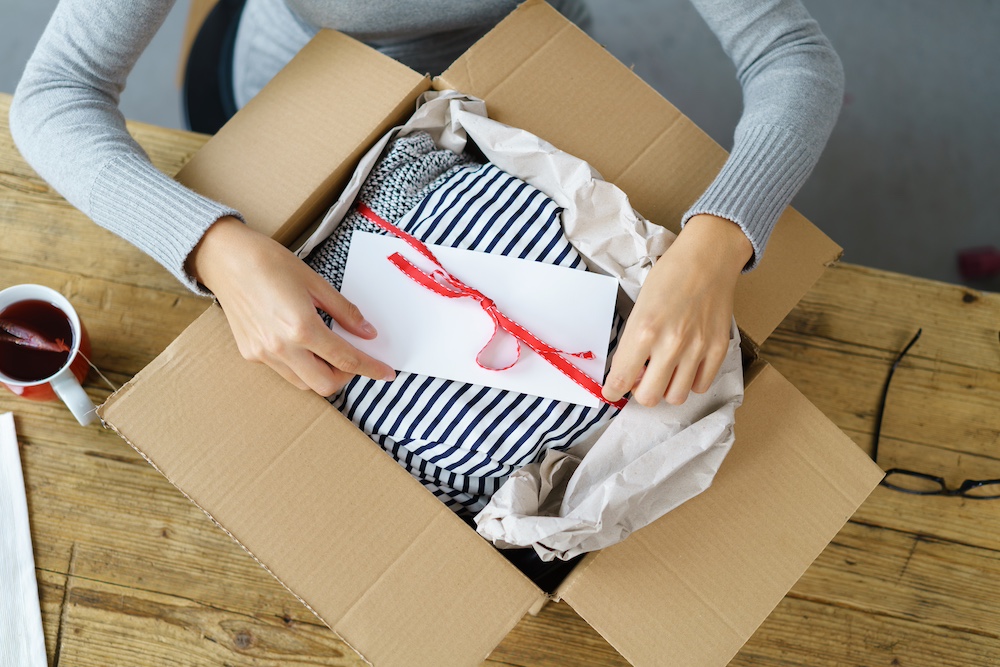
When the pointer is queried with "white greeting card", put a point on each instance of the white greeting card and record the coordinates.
(423, 332)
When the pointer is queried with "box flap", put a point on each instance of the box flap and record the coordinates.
(319, 120)
(334, 518)
(539, 72)
(691, 588)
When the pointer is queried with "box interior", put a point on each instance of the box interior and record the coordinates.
(383, 563)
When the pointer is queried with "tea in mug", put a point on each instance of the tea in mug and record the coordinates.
(35, 340)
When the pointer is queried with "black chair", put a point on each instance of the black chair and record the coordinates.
(209, 100)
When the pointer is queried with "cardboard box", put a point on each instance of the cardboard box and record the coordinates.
(361, 543)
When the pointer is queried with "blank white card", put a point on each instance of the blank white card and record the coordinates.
(422, 332)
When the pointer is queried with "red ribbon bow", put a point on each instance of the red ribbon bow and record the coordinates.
(443, 283)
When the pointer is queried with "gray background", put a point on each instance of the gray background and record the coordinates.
(911, 173)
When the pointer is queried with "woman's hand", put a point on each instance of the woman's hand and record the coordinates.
(270, 298)
(681, 321)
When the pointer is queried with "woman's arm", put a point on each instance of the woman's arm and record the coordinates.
(793, 86)
(66, 122)
(793, 82)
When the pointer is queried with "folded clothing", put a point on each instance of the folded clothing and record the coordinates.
(460, 440)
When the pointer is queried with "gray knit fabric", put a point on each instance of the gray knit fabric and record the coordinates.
(66, 122)
(401, 179)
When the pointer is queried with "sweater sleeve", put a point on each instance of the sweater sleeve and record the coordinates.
(66, 122)
(793, 86)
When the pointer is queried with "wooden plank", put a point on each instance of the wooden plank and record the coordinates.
(41, 229)
(124, 524)
(911, 577)
(107, 625)
(802, 633)
(943, 412)
(128, 325)
(129, 533)
(51, 593)
(557, 637)
(116, 622)
(113, 625)
(965, 521)
(881, 310)
(935, 398)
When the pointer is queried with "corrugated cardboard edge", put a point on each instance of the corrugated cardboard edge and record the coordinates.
(590, 583)
(750, 372)
(321, 133)
(119, 395)
(171, 372)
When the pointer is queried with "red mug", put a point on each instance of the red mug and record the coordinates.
(63, 382)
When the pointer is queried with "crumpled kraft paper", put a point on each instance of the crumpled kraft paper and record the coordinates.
(647, 461)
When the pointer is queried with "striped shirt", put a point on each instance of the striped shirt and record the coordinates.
(461, 440)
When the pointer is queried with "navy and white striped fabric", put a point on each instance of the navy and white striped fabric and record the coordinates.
(460, 440)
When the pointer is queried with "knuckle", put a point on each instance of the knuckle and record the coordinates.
(678, 398)
(618, 383)
(645, 333)
(354, 312)
(273, 346)
(299, 333)
(647, 399)
(348, 363)
(327, 387)
(699, 343)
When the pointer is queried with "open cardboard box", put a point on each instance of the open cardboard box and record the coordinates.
(375, 556)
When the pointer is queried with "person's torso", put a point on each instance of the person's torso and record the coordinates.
(381, 20)
(425, 35)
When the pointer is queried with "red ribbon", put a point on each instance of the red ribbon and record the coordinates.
(443, 283)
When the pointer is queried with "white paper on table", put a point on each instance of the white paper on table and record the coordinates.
(423, 332)
(21, 640)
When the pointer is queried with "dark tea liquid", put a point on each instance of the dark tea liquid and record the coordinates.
(20, 362)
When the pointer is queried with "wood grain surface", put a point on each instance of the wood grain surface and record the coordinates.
(132, 574)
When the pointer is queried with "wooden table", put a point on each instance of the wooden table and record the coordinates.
(132, 574)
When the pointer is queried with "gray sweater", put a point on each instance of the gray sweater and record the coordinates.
(66, 122)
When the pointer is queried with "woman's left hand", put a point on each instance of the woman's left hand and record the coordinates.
(680, 324)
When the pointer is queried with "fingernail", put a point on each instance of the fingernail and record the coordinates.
(390, 376)
(367, 327)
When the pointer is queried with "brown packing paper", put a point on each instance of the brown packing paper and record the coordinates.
(647, 462)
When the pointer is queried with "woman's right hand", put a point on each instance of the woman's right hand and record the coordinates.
(270, 298)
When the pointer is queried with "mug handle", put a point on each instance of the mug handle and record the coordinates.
(68, 388)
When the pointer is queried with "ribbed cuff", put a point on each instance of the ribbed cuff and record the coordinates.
(154, 213)
(767, 167)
